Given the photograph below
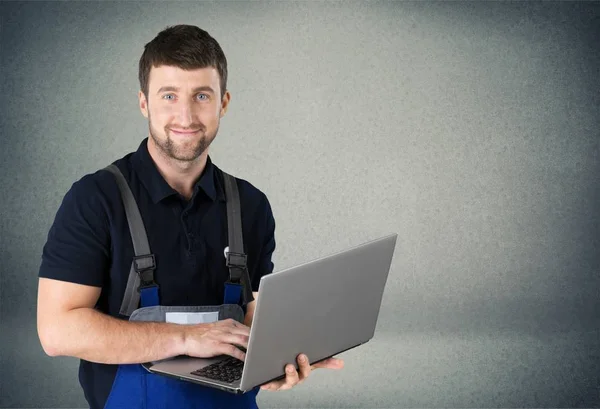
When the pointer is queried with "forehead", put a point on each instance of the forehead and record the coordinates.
(167, 75)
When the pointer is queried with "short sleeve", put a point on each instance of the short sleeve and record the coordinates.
(78, 243)
(265, 263)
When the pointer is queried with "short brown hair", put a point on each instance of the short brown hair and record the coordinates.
(184, 46)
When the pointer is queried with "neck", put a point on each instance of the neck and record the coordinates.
(180, 175)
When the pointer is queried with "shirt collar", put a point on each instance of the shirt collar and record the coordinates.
(157, 186)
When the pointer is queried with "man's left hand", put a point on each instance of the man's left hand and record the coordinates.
(294, 377)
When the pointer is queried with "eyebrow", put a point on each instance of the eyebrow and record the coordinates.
(175, 89)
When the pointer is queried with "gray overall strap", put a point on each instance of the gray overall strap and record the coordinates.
(236, 258)
(143, 262)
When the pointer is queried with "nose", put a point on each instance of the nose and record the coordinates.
(185, 114)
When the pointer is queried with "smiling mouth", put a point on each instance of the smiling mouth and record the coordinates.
(184, 132)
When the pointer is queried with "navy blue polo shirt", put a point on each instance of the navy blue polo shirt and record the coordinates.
(89, 242)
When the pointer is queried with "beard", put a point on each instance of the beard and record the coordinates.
(187, 151)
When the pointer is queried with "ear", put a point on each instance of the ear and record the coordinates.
(225, 103)
(143, 103)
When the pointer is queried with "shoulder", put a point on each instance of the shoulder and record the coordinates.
(101, 182)
(78, 245)
(252, 198)
(97, 191)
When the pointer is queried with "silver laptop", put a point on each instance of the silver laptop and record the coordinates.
(321, 308)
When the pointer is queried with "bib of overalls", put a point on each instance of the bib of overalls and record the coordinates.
(134, 387)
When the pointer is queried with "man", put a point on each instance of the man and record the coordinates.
(179, 191)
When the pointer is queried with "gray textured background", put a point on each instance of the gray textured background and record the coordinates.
(471, 129)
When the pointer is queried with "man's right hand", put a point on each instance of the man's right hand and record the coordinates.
(217, 338)
(70, 325)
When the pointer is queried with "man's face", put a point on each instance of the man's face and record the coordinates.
(183, 110)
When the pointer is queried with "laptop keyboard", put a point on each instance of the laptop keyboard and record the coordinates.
(227, 370)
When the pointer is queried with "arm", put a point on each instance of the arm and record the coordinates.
(264, 265)
(250, 310)
(68, 325)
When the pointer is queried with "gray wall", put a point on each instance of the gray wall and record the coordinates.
(471, 129)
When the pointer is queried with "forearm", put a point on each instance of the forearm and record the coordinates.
(248, 318)
(250, 310)
(88, 334)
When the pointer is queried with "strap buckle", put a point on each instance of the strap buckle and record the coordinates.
(144, 266)
(238, 260)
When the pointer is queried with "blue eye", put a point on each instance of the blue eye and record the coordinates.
(168, 95)
(203, 95)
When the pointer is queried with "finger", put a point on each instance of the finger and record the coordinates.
(291, 378)
(231, 350)
(228, 325)
(226, 331)
(238, 331)
(304, 366)
(330, 363)
(230, 322)
(234, 339)
(234, 327)
(274, 385)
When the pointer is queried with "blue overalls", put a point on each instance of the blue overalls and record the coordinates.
(134, 386)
